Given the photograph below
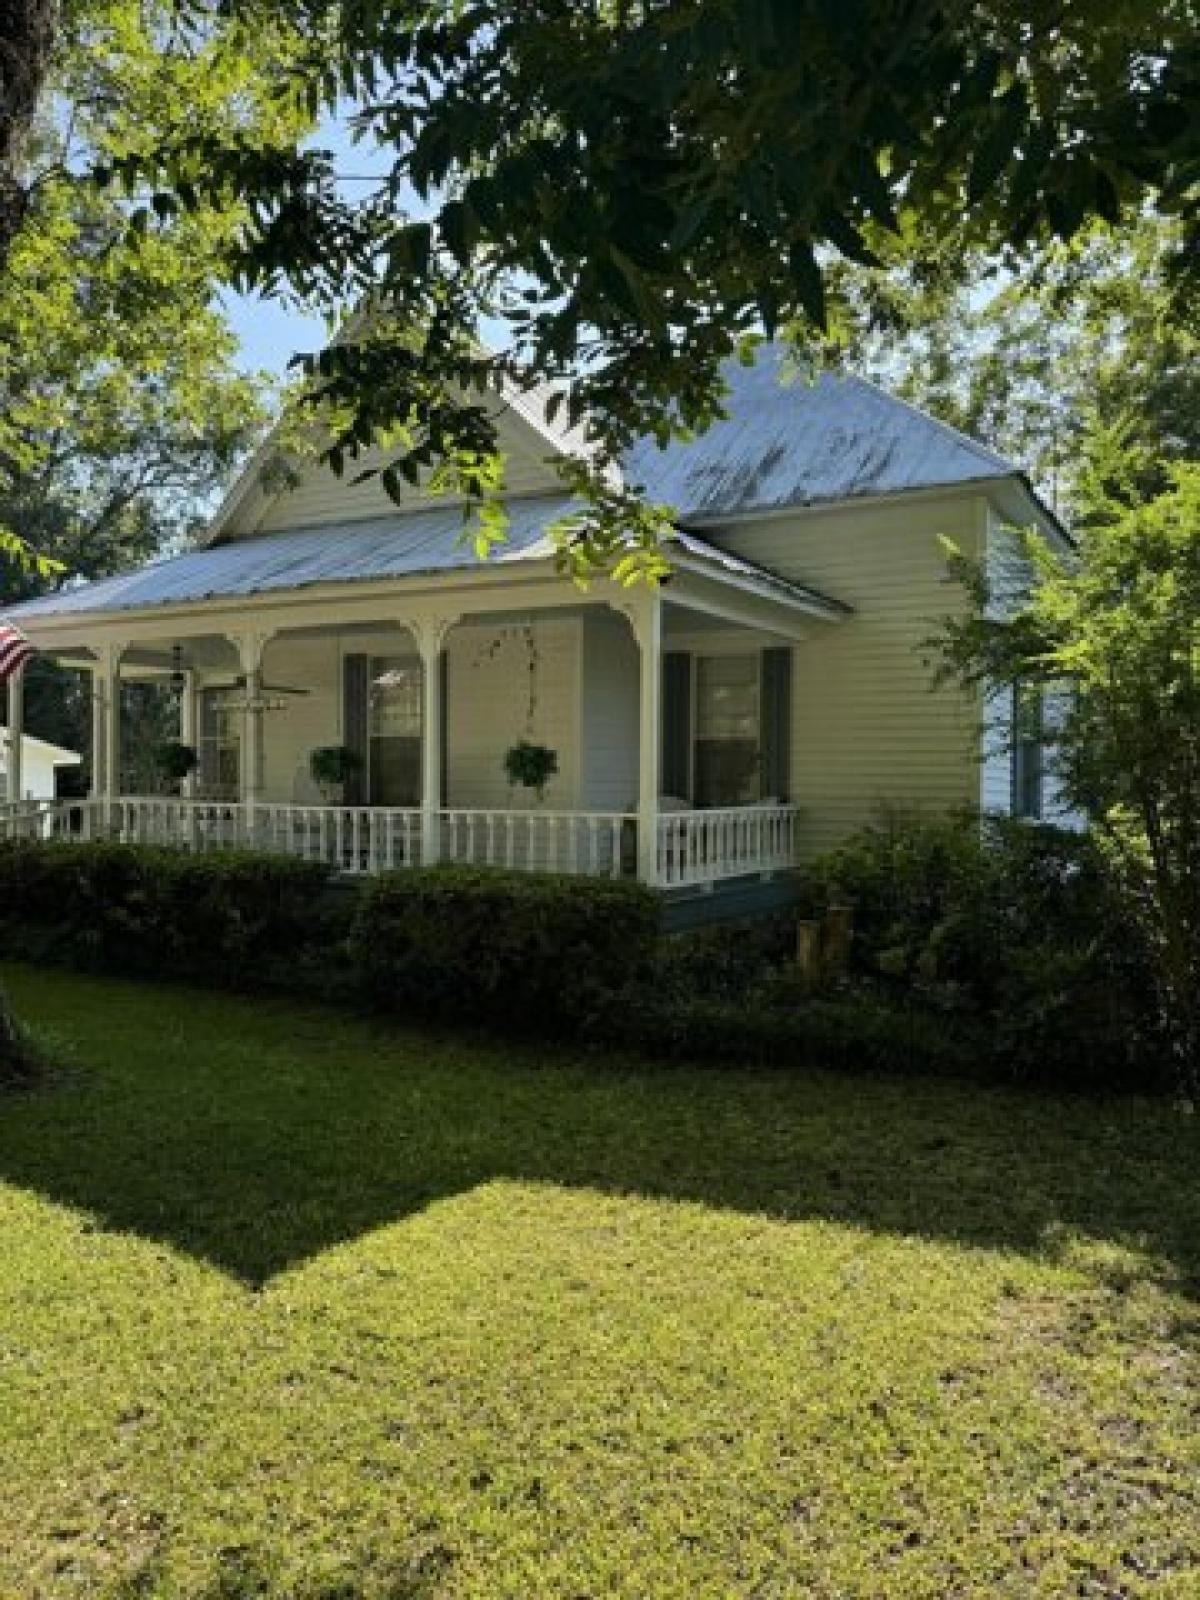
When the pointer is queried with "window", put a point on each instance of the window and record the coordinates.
(728, 730)
(1028, 753)
(394, 730)
(219, 745)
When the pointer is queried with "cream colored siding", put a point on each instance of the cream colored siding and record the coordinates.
(869, 731)
(302, 723)
(320, 496)
(508, 681)
(492, 700)
(611, 677)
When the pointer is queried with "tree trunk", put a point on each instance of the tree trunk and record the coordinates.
(16, 1062)
(28, 29)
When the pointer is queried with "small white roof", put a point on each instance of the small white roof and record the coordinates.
(59, 756)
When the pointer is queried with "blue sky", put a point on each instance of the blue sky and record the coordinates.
(270, 331)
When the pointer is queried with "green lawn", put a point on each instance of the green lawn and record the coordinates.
(292, 1306)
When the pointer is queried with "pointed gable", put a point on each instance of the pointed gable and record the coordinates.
(259, 502)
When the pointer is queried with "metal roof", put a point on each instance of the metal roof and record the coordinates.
(737, 566)
(403, 546)
(407, 545)
(791, 442)
(786, 442)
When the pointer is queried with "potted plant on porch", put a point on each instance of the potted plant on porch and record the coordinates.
(531, 766)
(332, 767)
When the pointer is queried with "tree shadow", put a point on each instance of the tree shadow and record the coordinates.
(255, 1135)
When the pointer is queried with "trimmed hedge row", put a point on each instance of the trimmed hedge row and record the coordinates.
(997, 957)
(229, 918)
(534, 952)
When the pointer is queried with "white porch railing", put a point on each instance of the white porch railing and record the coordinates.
(704, 847)
(598, 844)
(695, 848)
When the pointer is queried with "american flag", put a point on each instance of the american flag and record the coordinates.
(15, 650)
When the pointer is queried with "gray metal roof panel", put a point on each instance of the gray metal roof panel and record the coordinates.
(406, 545)
(790, 442)
(409, 544)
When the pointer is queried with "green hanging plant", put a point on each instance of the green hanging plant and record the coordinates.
(531, 766)
(332, 767)
(175, 760)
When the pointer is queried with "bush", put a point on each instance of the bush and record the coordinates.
(1018, 927)
(530, 951)
(233, 918)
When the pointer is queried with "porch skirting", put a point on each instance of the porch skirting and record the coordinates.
(695, 848)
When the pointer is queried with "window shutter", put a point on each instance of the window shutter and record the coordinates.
(354, 723)
(776, 768)
(677, 725)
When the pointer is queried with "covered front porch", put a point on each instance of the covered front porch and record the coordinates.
(667, 712)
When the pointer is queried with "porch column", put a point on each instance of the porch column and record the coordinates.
(187, 726)
(430, 635)
(108, 667)
(95, 679)
(644, 610)
(250, 647)
(16, 735)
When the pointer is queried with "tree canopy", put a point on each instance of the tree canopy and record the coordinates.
(1084, 369)
(626, 191)
(122, 407)
(1115, 634)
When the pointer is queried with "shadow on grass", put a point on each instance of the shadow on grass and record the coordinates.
(255, 1135)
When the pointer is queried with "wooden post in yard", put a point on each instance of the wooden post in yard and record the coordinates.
(808, 952)
(839, 930)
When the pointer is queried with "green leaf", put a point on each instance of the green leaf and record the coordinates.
(996, 152)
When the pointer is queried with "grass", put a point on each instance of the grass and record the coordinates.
(294, 1307)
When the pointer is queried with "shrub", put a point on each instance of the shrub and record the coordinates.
(229, 917)
(1016, 926)
(531, 951)
(18, 1064)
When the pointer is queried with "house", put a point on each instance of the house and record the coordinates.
(40, 765)
(751, 711)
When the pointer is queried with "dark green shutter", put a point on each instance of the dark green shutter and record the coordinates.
(354, 723)
(776, 753)
(677, 725)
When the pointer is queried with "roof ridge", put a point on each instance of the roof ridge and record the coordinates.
(964, 440)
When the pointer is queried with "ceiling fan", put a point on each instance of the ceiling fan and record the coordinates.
(179, 679)
(239, 683)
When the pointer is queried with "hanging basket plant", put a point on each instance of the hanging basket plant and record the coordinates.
(332, 767)
(175, 761)
(531, 766)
